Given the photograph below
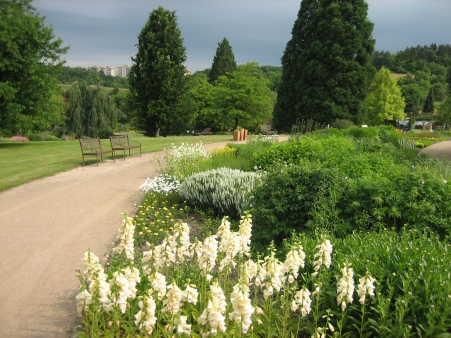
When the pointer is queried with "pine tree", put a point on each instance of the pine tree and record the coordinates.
(429, 106)
(156, 78)
(223, 61)
(327, 66)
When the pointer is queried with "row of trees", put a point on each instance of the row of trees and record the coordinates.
(70, 75)
(327, 73)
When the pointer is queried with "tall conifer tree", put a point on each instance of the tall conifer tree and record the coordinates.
(327, 66)
(429, 106)
(156, 78)
(223, 61)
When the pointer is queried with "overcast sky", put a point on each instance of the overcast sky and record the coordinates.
(105, 32)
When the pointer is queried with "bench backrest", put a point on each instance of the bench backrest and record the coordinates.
(119, 140)
(206, 130)
(90, 144)
(265, 128)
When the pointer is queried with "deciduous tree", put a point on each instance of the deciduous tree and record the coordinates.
(92, 112)
(327, 66)
(243, 98)
(29, 68)
(223, 61)
(385, 101)
(156, 77)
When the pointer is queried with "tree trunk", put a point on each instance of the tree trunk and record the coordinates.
(157, 133)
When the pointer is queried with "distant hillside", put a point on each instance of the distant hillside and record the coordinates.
(414, 59)
(70, 75)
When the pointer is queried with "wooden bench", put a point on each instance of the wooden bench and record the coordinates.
(123, 142)
(93, 147)
(206, 131)
(267, 129)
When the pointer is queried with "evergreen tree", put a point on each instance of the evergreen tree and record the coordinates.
(156, 78)
(385, 102)
(327, 66)
(223, 61)
(429, 106)
(29, 67)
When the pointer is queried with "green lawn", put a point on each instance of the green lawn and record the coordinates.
(22, 162)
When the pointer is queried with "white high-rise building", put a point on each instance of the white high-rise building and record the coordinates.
(108, 71)
(123, 71)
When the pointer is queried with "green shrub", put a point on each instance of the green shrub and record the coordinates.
(342, 189)
(104, 133)
(359, 132)
(224, 189)
(342, 124)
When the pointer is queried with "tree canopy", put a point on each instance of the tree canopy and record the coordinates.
(29, 68)
(156, 78)
(385, 101)
(91, 111)
(223, 61)
(242, 98)
(327, 66)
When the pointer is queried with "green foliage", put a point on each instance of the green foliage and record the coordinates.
(341, 185)
(225, 190)
(327, 66)
(30, 64)
(156, 78)
(223, 61)
(341, 124)
(385, 101)
(91, 112)
(70, 75)
(241, 98)
(429, 106)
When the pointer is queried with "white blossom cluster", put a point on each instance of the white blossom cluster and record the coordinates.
(322, 257)
(190, 151)
(162, 184)
(365, 287)
(267, 138)
(345, 287)
(125, 237)
(302, 299)
(230, 249)
(215, 311)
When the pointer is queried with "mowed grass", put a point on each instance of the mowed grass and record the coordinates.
(22, 162)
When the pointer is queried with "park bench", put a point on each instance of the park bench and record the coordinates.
(93, 147)
(206, 131)
(123, 142)
(267, 129)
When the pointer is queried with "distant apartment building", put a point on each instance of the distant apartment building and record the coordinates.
(122, 71)
(108, 71)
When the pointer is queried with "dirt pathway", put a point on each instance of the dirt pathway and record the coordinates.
(45, 228)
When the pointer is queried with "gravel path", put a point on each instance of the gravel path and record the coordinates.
(47, 225)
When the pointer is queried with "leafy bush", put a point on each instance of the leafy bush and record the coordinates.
(225, 190)
(342, 124)
(318, 148)
(359, 132)
(104, 133)
(341, 189)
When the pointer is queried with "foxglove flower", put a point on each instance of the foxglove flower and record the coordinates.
(242, 307)
(322, 257)
(345, 287)
(145, 318)
(366, 286)
(302, 299)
